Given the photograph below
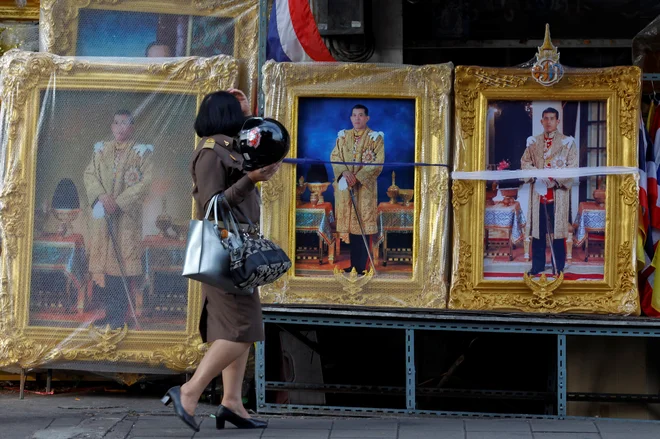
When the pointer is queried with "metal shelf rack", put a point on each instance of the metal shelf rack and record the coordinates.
(408, 322)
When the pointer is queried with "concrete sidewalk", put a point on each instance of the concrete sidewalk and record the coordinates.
(122, 417)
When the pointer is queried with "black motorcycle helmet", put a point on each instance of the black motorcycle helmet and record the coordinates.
(262, 142)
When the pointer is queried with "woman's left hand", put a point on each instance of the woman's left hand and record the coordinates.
(242, 99)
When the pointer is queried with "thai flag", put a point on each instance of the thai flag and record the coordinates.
(293, 35)
(649, 223)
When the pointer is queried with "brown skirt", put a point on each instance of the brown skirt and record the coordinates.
(230, 317)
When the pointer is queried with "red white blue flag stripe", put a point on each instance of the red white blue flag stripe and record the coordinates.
(293, 35)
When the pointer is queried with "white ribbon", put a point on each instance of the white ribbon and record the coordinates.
(586, 171)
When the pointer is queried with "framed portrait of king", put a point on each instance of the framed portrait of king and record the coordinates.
(95, 210)
(361, 204)
(545, 189)
(155, 29)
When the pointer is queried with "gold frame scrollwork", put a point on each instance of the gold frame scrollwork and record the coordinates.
(58, 26)
(430, 87)
(24, 77)
(9, 10)
(617, 293)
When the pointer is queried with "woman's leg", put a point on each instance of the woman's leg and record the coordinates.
(221, 354)
(232, 385)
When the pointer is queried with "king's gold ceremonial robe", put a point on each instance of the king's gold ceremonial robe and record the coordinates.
(562, 154)
(128, 179)
(369, 150)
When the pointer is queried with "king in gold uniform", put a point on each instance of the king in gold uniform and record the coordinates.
(117, 181)
(360, 145)
(549, 150)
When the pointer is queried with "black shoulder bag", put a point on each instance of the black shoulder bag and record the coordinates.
(254, 260)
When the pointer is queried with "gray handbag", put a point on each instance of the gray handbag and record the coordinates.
(208, 254)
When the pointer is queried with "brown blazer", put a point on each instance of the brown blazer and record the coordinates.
(216, 167)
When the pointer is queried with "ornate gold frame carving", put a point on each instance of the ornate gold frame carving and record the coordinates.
(10, 11)
(59, 25)
(430, 86)
(24, 76)
(617, 293)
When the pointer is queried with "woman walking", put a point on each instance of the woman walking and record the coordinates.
(230, 323)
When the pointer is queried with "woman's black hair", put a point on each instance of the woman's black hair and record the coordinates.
(219, 113)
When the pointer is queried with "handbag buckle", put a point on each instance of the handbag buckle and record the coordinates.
(252, 229)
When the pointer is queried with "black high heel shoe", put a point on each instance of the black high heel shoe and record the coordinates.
(174, 395)
(224, 414)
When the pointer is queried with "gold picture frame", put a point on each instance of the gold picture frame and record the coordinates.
(285, 86)
(9, 10)
(26, 76)
(59, 25)
(619, 89)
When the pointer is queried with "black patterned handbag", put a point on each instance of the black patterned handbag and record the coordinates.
(254, 260)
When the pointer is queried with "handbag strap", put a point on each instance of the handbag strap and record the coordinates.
(227, 215)
(213, 205)
(231, 211)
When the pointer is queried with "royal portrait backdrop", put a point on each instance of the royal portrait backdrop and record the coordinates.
(519, 245)
(102, 208)
(319, 225)
(127, 33)
(128, 28)
(508, 217)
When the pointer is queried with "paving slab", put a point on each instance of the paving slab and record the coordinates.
(295, 433)
(510, 425)
(498, 435)
(567, 436)
(563, 426)
(364, 434)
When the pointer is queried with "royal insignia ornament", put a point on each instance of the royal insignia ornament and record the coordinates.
(547, 70)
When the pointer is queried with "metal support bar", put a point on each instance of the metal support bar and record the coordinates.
(651, 77)
(503, 328)
(260, 374)
(333, 410)
(427, 392)
(487, 317)
(561, 376)
(294, 409)
(613, 397)
(49, 380)
(21, 394)
(410, 370)
(261, 57)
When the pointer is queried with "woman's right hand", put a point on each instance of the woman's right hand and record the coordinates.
(265, 173)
